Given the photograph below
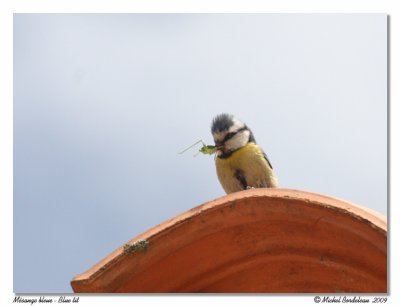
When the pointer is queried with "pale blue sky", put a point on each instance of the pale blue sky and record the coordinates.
(103, 103)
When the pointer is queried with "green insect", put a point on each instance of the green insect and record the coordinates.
(205, 149)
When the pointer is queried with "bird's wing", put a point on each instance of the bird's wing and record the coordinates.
(266, 158)
(239, 174)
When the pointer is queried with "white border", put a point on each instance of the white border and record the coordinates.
(8, 7)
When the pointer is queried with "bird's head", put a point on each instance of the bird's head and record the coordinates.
(230, 134)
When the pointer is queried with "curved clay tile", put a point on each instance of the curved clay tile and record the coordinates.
(260, 240)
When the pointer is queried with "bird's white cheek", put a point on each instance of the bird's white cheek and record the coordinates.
(238, 141)
(230, 145)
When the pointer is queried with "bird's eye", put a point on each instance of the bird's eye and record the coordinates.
(229, 136)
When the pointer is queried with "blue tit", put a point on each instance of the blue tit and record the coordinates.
(241, 163)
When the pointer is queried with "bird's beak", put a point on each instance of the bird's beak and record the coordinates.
(219, 144)
(219, 148)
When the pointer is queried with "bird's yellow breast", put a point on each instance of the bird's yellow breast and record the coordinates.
(250, 152)
(250, 161)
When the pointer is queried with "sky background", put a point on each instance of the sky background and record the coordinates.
(103, 103)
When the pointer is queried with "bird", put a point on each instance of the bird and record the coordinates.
(240, 162)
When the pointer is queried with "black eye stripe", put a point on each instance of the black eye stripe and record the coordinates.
(230, 135)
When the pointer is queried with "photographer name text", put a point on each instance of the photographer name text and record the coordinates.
(349, 300)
